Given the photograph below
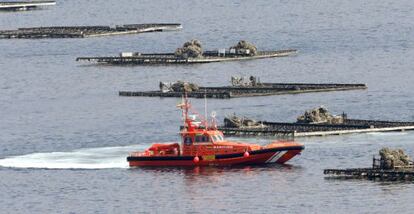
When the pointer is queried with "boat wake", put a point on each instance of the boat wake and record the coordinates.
(91, 158)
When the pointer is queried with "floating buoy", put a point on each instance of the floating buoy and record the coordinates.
(196, 159)
(246, 154)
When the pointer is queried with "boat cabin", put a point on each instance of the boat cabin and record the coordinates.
(199, 141)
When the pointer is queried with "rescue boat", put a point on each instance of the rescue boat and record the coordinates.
(203, 145)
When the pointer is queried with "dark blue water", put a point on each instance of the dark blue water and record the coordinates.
(57, 113)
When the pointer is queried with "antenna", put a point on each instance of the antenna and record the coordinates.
(184, 106)
(213, 120)
(183, 111)
(205, 108)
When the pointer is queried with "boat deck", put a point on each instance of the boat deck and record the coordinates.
(265, 89)
(170, 58)
(85, 31)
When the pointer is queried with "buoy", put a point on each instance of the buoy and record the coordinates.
(196, 159)
(246, 154)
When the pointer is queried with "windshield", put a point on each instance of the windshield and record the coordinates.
(217, 138)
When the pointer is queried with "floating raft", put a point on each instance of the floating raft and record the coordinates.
(170, 58)
(305, 130)
(265, 89)
(382, 169)
(372, 174)
(24, 5)
(84, 31)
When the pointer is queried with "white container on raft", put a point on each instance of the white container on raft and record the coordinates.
(126, 54)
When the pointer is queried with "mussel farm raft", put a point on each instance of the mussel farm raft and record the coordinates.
(300, 129)
(85, 31)
(24, 5)
(393, 165)
(264, 89)
(171, 58)
(191, 52)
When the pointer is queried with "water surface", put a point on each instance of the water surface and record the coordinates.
(65, 133)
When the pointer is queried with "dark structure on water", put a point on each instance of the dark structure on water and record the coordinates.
(190, 53)
(85, 31)
(24, 5)
(170, 58)
(325, 125)
(239, 89)
(393, 165)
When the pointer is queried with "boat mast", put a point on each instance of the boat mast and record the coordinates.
(205, 109)
(185, 106)
(184, 115)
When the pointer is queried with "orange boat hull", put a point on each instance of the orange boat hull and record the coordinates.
(262, 156)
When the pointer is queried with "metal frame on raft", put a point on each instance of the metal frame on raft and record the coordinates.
(264, 89)
(371, 174)
(170, 58)
(24, 5)
(86, 31)
(292, 130)
(391, 166)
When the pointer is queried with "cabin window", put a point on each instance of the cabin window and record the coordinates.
(206, 138)
(188, 140)
(217, 138)
(201, 139)
(212, 138)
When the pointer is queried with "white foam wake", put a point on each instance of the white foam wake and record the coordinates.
(91, 158)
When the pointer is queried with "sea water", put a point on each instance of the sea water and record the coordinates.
(65, 133)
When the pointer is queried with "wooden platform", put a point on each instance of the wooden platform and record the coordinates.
(306, 130)
(170, 58)
(265, 89)
(383, 168)
(85, 31)
(372, 174)
(24, 5)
